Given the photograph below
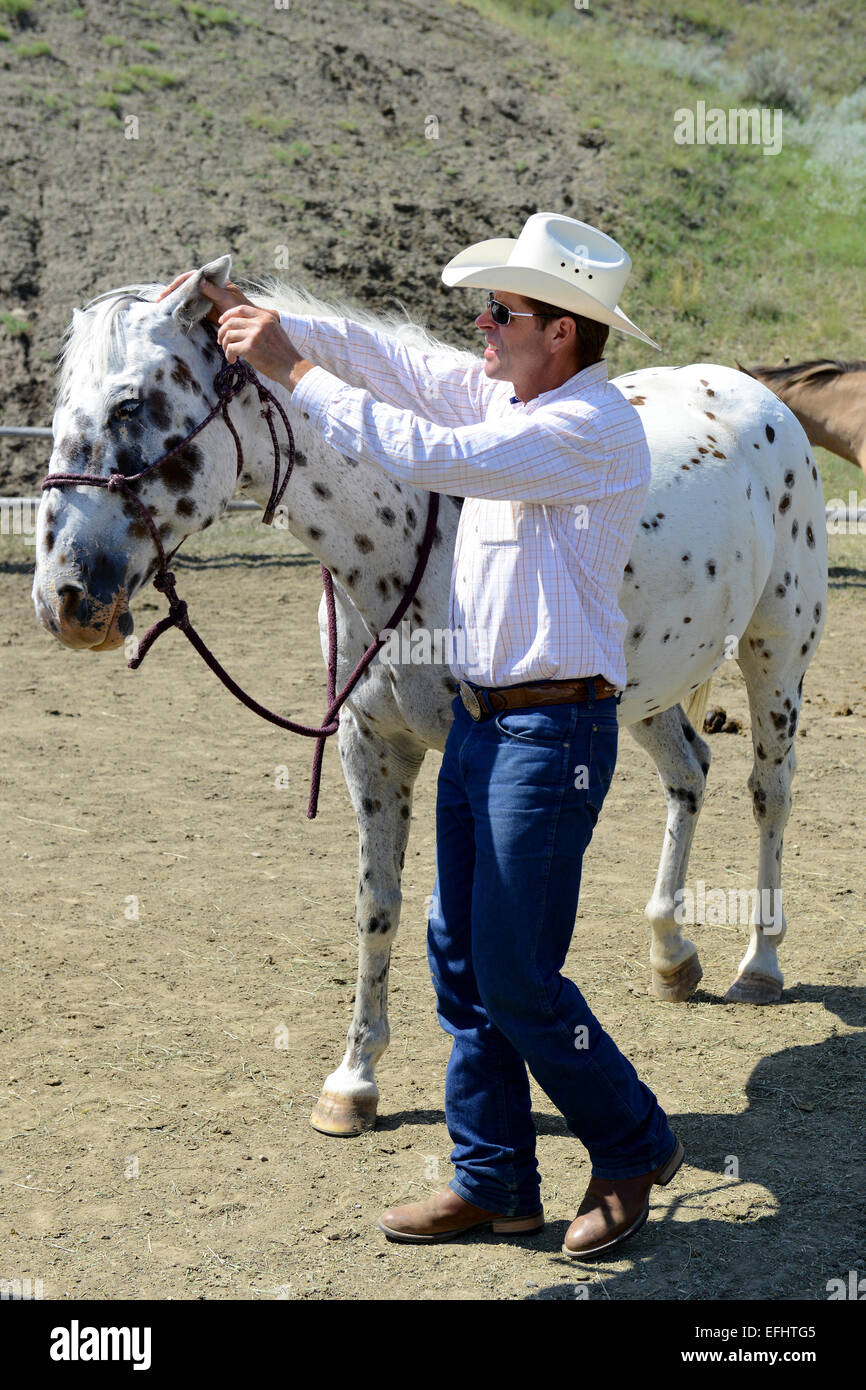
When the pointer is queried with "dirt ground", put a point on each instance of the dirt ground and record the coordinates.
(178, 964)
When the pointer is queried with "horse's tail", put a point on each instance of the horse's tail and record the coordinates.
(695, 706)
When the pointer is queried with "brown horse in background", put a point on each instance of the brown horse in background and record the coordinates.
(827, 397)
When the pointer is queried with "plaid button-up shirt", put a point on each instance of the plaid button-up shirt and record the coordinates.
(554, 491)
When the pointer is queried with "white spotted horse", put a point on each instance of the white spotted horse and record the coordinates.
(730, 559)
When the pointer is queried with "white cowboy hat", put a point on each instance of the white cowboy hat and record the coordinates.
(555, 259)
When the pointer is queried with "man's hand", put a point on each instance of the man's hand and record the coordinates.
(213, 314)
(249, 331)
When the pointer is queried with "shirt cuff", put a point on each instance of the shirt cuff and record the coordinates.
(314, 393)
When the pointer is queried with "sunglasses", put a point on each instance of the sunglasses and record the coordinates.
(502, 315)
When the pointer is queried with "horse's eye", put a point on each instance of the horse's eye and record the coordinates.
(124, 410)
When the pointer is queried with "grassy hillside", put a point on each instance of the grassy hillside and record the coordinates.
(346, 146)
(739, 256)
(356, 146)
(734, 250)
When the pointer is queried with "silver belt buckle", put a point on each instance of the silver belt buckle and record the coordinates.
(470, 700)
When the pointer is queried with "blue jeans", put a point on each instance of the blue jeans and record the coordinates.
(518, 798)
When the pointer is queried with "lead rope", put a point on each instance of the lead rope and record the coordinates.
(228, 382)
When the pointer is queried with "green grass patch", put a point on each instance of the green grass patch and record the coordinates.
(149, 46)
(109, 101)
(839, 477)
(292, 154)
(119, 81)
(265, 120)
(113, 41)
(14, 326)
(43, 96)
(36, 48)
(155, 77)
(5, 36)
(213, 16)
(819, 41)
(15, 9)
(535, 9)
(138, 77)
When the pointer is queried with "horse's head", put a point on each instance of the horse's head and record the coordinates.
(136, 378)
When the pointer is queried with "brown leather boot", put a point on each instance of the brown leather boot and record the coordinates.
(447, 1215)
(613, 1209)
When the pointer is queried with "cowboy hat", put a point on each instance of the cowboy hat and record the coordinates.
(555, 259)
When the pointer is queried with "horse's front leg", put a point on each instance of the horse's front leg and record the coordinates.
(380, 782)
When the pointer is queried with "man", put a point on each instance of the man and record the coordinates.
(554, 466)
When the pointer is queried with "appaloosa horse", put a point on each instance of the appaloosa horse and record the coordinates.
(730, 559)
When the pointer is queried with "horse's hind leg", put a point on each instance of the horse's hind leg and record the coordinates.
(380, 781)
(774, 680)
(683, 761)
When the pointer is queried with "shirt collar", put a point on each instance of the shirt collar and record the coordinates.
(589, 379)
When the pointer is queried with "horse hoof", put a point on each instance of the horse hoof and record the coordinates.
(343, 1116)
(679, 984)
(753, 988)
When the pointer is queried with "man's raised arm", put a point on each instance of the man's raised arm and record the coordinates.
(446, 390)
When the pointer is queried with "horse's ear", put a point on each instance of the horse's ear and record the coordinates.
(187, 303)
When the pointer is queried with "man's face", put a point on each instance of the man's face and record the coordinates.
(518, 348)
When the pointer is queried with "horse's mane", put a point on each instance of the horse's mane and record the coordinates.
(292, 299)
(96, 339)
(819, 370)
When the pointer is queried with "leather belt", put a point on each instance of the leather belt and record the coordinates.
(484, 701)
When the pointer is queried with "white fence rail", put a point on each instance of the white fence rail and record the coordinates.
(842, 520)
(18, 514)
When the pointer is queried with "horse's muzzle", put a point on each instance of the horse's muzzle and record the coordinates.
(83, 622)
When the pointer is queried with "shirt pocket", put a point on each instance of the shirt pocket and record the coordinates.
(548, 725)
(497, 522)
